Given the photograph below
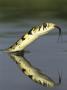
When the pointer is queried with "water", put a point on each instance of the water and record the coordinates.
(45, 53)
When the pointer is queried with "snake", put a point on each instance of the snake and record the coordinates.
(33, 34)
(26, 67)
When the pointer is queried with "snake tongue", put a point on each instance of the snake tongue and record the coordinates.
(59, 30)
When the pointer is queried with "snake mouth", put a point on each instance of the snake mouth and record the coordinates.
(58, 29)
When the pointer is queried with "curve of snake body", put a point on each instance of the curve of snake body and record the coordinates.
(29, 70)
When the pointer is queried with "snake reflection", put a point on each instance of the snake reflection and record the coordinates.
(32, 72)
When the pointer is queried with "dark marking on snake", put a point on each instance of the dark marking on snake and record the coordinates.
(30, 76)
(39, 28)
(16, 43)
(23, 70)
(30, 32)
(35, 27)
(44, 25)
(39, 82)
(35, 80)
(23, 38)
(16, 62)
(11, 46)
(44, 84)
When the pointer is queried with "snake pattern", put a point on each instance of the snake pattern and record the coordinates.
(27, 68)
(31, 36)
(34, 73)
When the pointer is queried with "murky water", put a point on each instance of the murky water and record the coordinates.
(46, 54)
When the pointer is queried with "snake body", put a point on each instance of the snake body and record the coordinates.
(32, 72)
(31, 36)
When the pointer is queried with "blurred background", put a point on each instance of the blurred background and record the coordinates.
(14, 9)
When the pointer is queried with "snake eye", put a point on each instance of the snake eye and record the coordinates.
(44, 25)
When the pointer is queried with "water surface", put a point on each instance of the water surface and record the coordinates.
(46, 54)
